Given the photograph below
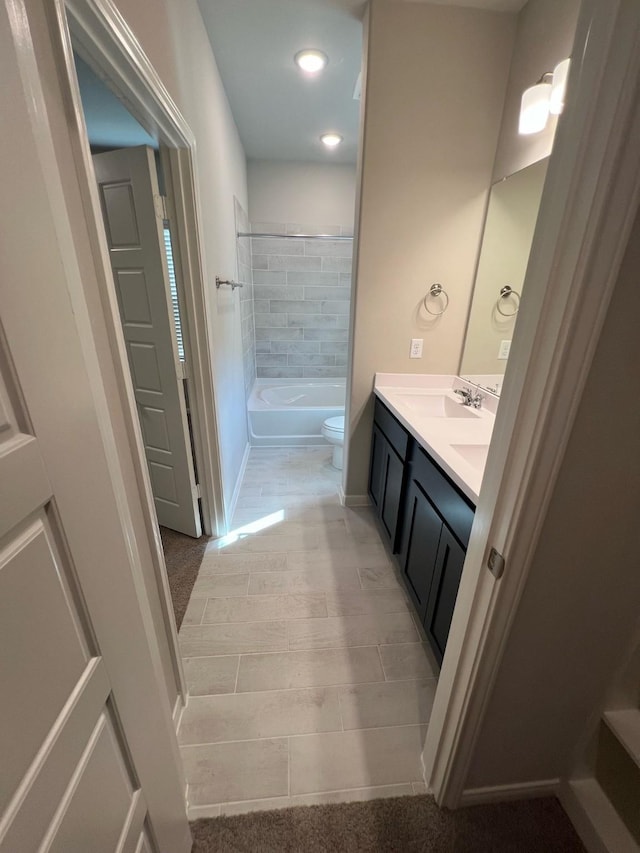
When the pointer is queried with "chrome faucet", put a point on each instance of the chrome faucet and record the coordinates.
(469, 397)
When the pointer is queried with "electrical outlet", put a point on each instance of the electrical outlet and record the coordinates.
(503, 351)
(416, 348)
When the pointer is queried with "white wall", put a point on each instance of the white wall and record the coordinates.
(175, 39)
(313, 193)
(544, 37)
(434, 91)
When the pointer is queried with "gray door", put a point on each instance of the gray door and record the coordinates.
(130, 197)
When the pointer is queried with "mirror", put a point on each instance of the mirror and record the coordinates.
(508, 233)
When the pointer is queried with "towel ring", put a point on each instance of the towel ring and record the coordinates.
(436, 290)
(505, 293)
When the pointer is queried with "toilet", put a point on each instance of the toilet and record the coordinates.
(333, 431)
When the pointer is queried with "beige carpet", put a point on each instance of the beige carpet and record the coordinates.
(403, 824)
(183, 556)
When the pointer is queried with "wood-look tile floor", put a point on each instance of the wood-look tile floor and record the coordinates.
(309, 680)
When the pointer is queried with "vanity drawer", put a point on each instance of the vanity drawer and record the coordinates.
(454, 508)
(395, 434)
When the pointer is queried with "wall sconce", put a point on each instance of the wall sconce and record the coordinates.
(544, 99)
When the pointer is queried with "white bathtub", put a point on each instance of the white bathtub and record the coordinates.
(284, 412)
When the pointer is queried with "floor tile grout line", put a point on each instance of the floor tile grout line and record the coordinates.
(291, 735)
(235, 688)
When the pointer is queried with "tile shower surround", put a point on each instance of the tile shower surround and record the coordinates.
(302, 293)
(243, 250)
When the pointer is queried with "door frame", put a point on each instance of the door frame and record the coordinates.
(590, 200)
(105, 40)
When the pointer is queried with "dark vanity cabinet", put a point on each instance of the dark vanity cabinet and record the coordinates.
(389, 445)
(427, 520)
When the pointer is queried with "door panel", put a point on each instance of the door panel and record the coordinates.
(393, 473)
(128, 188)
(86, 725)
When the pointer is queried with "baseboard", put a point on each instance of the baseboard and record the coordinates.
(595, 820)
(503, 793)
(353, 500)
(236, 491)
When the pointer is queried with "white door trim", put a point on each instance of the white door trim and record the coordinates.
(107, 42)
(588, 206)
(104, 35)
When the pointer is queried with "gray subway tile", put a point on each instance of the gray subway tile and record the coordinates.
(264, 346)
(275, 246)
(309, 279)
(318, 321)
(260, 262)
(334, 347)
(331, 230)
(270, 321)
(294, 263)
(326, 335)
(278, 373)
(337, 293)
(333, 307)
(324, 372)
(298, 347)
(268, 277)
(279, 334)
(336, 265)
(260, 306)
(281, 291)
(331, 248)
(345, 280)
(293, 306)
(271, 360)
(312, 360)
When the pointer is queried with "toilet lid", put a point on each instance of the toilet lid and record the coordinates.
(335, 424)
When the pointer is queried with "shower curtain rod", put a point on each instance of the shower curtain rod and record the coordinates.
(296, 236)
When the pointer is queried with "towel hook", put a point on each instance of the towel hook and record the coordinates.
(505, 293)
(436, 290)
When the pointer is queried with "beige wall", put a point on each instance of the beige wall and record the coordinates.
(314, 193)
(544, 37)
(434, 93)
(581, 602)
(173, 35)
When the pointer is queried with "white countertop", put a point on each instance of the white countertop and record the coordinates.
(458, 444)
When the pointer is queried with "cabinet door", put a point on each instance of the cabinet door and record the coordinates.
(420, 541)
(444, 591)
(392, 474)
(378, 451)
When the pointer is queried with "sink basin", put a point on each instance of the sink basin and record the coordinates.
(474, 454)
(435, 405)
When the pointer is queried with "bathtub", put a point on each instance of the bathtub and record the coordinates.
(285, 412)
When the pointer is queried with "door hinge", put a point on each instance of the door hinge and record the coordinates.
(181, 370)
(197, 493)
(496, 563)
(160, 206)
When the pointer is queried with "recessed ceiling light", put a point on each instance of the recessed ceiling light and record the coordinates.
(331, 139)
(311, 61)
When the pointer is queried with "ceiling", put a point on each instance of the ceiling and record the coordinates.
(279, 112)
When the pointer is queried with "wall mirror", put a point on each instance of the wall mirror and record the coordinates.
(506, 243)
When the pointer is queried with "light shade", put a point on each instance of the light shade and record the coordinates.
(559, 87)
(311, 61)
(331, 139)
(534, 109)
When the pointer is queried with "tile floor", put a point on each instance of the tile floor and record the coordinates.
(309, 680)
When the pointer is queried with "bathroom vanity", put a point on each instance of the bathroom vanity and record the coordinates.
(428, 455)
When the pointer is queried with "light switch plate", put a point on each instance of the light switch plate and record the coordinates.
(416, 348)
(503, 351)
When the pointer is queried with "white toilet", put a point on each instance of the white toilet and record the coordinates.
(333, 431)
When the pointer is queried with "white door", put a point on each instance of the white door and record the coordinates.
(88, 754)
(129, 196)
